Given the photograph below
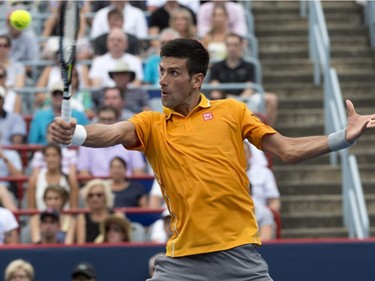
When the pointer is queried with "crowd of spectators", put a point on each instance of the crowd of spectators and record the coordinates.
(117, 52)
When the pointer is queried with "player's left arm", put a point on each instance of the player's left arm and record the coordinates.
(294, 150)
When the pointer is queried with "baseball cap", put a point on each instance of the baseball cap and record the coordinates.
(122, 67)
(84, 268)
(50, 213)
(3, 92)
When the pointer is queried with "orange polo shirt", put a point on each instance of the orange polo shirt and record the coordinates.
(199, 162)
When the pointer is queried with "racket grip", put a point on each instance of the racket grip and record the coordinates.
(66, 110)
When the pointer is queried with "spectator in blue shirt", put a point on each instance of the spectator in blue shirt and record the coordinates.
(43, 117)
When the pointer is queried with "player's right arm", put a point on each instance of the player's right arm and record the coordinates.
(98, 135)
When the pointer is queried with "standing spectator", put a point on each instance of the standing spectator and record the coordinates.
(13, 101)
(16, 77)
(236, 17)
(117, 44)
(114, 229)
(181, 20)
(95, 161)
(234, 69)
(19, 270)
(8, 227)
(84, 272)
(151, 70)
(135, 21)
(49, 227)
(116, 20)
(128, 193)
(98, 198)
(55, 198)
(43, 117)
(135, 100)
(51, 175)
(12, 125)
(160, 17)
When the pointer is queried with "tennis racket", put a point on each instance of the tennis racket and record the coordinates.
(68, 26)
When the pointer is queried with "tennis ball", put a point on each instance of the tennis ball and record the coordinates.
(20, 19)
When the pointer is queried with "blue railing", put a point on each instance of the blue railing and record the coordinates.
(354, 207)
(370, 20)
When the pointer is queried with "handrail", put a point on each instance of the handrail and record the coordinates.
(354, 206)
(370, 20)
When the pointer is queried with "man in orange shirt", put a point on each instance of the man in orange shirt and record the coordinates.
(196, 151)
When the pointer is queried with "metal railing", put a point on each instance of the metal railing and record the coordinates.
(354, 207)
(370, 20)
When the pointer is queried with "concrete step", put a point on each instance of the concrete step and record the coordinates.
(311, 220)
(314, 232)
(315, 173)
(311, 203)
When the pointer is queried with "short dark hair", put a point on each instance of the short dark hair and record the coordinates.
(232, 34)
(190, 49)
(115, 12)
(107, 108)
(122, 161)
(122, 93)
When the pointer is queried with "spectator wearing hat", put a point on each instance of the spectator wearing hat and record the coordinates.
(12, 125)
(19, 270)
(43, 117)
(135, 100)
(114, 229)
(116, 19)
(84, 272)
(8, 227)
(49, 227)
(117, 44)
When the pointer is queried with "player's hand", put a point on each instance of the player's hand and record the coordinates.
(357, 124)
(62, 132)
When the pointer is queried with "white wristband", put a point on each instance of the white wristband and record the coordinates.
(337, 140)
(79, 135)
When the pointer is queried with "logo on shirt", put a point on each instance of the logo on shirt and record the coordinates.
(208, 116)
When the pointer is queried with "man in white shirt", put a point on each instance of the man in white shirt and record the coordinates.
(8, 227)
(135, 21)
(117, 44)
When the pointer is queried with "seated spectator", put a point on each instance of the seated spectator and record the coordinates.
(98, 198)
(43, 117)
(128, 193)
(159, 19)
(135, 21)
(51, 175)
(19, 270)
(236, 17)
(114, 229)
(116, 20)
(266, 223)
(96, 161)
(51, 24)
(263, 184)
(135, 100)
(55, 198)
(49, 227)
(234, 69)
(12, 125)
(13, 101)
(161, 230)
(84, 272)
(6, 199)
(10, 165)
(151, 70)
(214, 41)
(8, 227)
(181, 20)
(16, 75)
(117, 44)
(151, 263)
(68, 161)
(25, 46)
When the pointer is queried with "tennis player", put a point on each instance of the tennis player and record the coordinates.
(196, 151)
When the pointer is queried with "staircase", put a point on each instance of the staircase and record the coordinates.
(311, 191)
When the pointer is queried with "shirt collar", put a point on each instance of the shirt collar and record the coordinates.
(204, 103)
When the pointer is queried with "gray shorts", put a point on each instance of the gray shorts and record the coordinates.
(242, 263)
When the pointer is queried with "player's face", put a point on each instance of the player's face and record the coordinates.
(176, 85)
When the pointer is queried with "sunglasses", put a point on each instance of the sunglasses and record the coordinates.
(99, 195)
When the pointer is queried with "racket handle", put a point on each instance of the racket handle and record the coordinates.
(66, 110)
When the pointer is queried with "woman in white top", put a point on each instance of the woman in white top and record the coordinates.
(52, 174)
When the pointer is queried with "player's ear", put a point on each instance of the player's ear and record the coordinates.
(197, 80)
